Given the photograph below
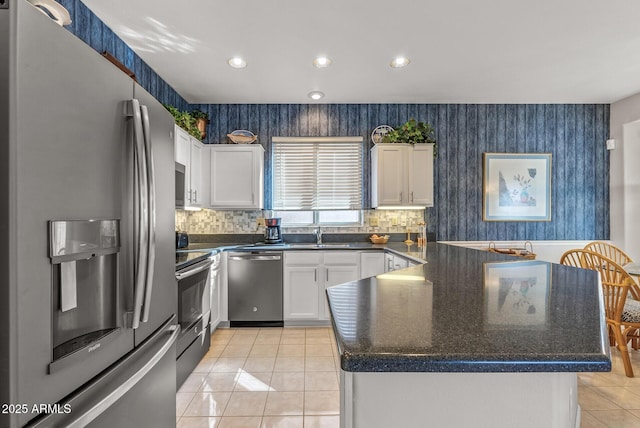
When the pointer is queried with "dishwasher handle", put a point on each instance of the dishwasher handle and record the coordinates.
(239, 256)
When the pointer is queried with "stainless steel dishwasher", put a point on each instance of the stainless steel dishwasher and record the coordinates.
(255, 289)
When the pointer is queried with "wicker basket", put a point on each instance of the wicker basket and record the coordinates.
(380, 239)
(524, 253)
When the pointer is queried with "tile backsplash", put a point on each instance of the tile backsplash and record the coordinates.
(235, 222)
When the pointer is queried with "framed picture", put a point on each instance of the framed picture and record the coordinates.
(516, 294)
(516, 187)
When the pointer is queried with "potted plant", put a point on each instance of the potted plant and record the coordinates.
(184, 120)
(202, 120)
(412, 132)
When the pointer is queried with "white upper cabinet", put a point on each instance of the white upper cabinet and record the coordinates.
(195, 179)
(402, 175)
(183, 145)
(188, 153)
(237, 176)
(421, 175)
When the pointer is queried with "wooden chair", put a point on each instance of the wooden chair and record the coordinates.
(614, 253)
(576, 258)
(610, 251)
(583, 259)
(622, 314)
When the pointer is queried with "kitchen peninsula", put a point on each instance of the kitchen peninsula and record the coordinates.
(470, 338)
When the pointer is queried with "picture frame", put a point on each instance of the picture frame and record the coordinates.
(516, 295)
(516, 187)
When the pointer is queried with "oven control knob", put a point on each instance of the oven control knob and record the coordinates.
(255, 309)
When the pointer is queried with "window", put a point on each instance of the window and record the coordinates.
(325, 218)
(317, 176)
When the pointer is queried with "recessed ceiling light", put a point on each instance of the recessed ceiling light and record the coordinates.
(400, 62)
(316, 95)
(322, 62)
(237, 62)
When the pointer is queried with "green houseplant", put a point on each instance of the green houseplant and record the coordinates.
(412, 132)
(184, 120)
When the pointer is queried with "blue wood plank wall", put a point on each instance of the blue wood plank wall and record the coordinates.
(575, 135)
(90, 29)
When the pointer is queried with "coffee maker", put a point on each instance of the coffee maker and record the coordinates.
(272, 233)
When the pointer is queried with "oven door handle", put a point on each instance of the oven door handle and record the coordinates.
(197, 269)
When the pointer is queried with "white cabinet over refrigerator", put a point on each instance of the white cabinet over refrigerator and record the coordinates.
(402, 175)
(237, 176)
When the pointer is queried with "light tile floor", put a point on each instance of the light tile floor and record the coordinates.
(264, 378)
(288, 378)
(611, 399)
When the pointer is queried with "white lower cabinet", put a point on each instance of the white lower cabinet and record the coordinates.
(301, 292)
(371, 263)
(339, 267)
(307, 274)
(216, 292)
(394, 262)
(301, 285)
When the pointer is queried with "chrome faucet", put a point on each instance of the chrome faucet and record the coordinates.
(318, 235)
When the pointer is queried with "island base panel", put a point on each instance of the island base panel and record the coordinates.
(479, 400)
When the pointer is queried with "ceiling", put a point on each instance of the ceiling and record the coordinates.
(461, 51)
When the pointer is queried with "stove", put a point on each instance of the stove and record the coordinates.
(193, 272)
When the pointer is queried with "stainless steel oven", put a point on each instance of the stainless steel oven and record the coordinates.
(194, 301)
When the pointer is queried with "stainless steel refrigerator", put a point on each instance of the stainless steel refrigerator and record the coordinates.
(87, 286)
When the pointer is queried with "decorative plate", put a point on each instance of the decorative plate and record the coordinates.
(242, 136)
(379, 133)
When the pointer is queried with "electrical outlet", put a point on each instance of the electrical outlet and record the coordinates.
(611, 144)
(394, 221)
(373, 221)
(260, 221)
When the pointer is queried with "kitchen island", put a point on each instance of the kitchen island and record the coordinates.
(470, 338)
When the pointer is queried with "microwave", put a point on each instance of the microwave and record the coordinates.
(180, 185)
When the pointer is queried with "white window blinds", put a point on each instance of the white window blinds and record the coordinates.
(317, 173)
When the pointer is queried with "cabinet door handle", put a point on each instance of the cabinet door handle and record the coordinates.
(411, 197)
(327, 270)
(401, 198)
(195, 196)
(315, 275)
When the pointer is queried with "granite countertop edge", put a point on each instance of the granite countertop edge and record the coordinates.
(467, 364)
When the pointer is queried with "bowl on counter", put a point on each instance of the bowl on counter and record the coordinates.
(376, 239)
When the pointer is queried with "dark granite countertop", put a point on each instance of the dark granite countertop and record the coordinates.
(471, 311)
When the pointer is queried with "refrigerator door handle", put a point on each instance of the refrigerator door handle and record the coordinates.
(141, 225)
(99, 408)
(151, 200)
